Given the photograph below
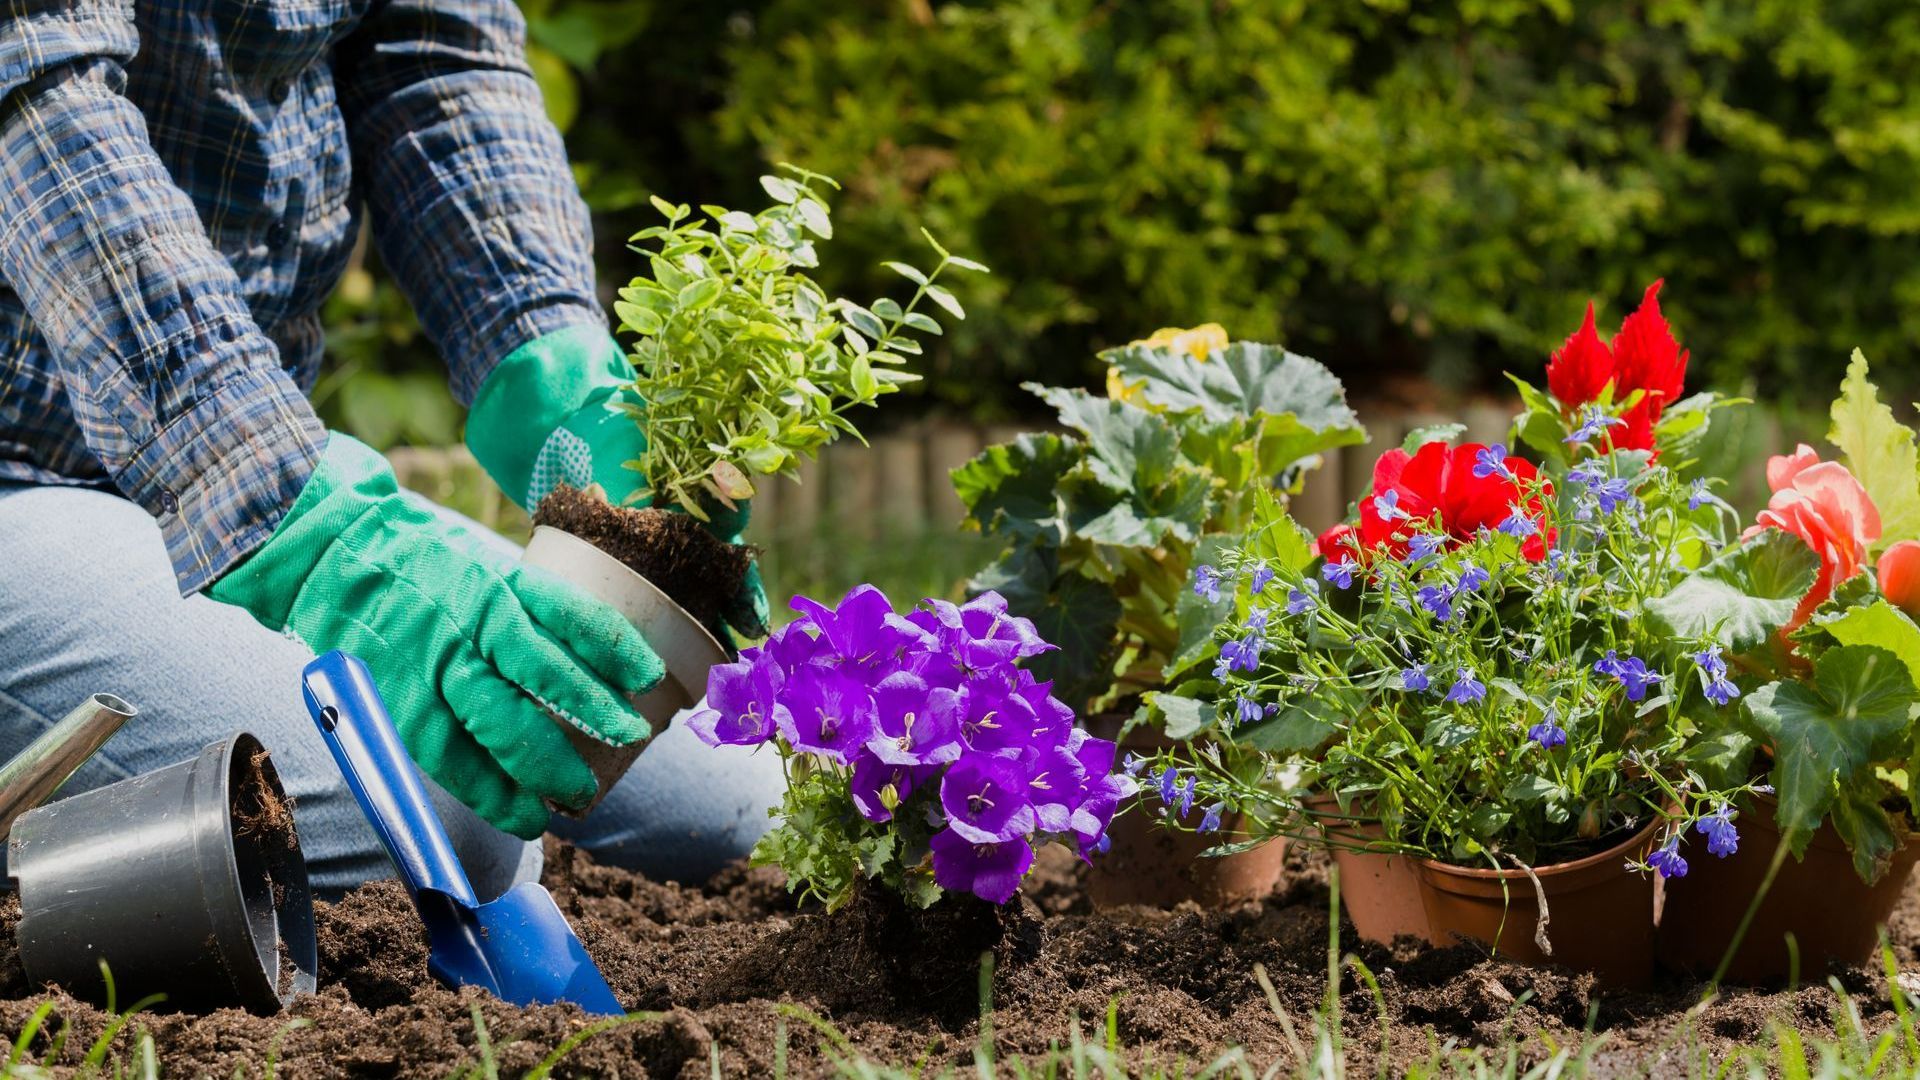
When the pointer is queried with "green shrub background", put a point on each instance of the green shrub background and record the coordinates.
(1434, 189)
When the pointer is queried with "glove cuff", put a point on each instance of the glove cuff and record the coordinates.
(556, 382)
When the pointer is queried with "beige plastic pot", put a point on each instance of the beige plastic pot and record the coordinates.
(1380, 890)
(684, 646)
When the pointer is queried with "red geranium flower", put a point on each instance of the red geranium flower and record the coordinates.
(1411, 490)
(1643, 356)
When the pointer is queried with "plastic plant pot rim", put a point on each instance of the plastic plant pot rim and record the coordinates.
(1574, 875)
(685, 647)
(243, 953)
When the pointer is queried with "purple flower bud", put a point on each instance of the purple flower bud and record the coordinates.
(878, 788)
(990, 871)
(1248, 710)
(1211, 822)
(1699, 496)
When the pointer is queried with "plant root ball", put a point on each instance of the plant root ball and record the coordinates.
(700, 571)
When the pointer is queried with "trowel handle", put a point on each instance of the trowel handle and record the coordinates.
(353, 720)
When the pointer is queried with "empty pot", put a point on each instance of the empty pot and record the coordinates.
(187, 881)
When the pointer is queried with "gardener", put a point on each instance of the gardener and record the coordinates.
(180, 187)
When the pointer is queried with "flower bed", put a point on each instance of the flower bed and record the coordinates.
(722, 962)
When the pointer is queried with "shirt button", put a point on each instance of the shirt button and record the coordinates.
(278, 89)
(278, 235)
(169, 504)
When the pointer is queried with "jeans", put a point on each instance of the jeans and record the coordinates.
(88, 603)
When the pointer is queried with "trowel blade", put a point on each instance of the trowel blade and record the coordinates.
(535, 957)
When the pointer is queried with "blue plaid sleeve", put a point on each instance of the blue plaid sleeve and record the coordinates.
(473, 205)
(176, 390)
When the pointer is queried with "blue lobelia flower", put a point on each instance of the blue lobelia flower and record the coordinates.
(1614, 494)
(1518, 524)
(1134, 764)
(1340, 573)
(1713, 670)
(1223, 667)
(1633, 674)
(1586, 476)
(1466, 689)
(1387, 505)
(1437, 600)
(1248, 710)
(1243, 654)
(1472, 578)
(1699, 496)
(1186, 795)
(1257, 621)
(1711, 661)
(1491, 461)
(1424, 546)
(1415, 680)
(1299, 603)
(1261, 575)
(1169, 785)
(1722, 838)
(1206, 583)
(1722, 691)
(1211, 822)
(1593, 421)
(1548, 733)
(1667, 861)
(1608, 664)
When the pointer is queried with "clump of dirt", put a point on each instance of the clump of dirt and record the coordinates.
(700, 571)
(720, 971)
(259, 807)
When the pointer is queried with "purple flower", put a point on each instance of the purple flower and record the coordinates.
(1135, 763)
(829, 712)
(793, 646)
(1261, 575)
(1548, 733)
(1614, 494)
(878, 787)
(1387, 505)
(1722, 691)
(1299, 603)
(1518, 524)
(980, 635)
(995, 718)
(1423, 546)
(1340, 573)
(989, 871)
(1593, 421)
(985, 799)
(1257, 619)
(1586, 476)
(743, 705)
(1667, 861)
(1243, 654)
(1210, 822)
(1491, 461)
(1631, 672)
(1713, 673)
(1711, 661)
(1608, 664)
(863, 628)
(1699, 496)
(1437, 600)
(914, 724)
(1722, 838)
(1414, 680)
(1169, 785)
(1471, 579)
(1055, 777)
(1186, 794)
(1466, 689)
(1206, 583)
(1248, 710)
(1222, 667)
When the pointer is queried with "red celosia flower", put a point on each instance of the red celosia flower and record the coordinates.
(1637, 432)
(1821, 503)
(1409, 491)
(1582, 368)
(1645, 355)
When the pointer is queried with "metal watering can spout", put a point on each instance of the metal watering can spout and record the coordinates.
(36, 772)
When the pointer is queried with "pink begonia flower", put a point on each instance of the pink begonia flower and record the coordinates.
(1821, 503)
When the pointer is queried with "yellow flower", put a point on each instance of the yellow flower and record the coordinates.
(1199, 343)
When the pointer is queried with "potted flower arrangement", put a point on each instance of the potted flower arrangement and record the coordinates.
(1479, 668)
(1102, 524)
(1832, 707)
(925, 762)
(742, 367)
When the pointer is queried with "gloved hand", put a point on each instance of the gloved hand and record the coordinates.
(552, 413)
(470, 651)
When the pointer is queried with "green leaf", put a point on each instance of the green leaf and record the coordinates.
(961, 263)
(1132, 449)
(636, 318)
(779, 189)
(1533, 788)
(1140, 518)
(1181, 718)
(946, 300)
(1009, 488)
(907, 272)
(1742, 598)
(1868, 831)
(1827, 734)
(1421, 436)
(1080, 616)
(699, 293)
(1880, 452)
(1301, 726)
(1883, 626)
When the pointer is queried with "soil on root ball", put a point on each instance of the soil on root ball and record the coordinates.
(719, 971)
(700, 571)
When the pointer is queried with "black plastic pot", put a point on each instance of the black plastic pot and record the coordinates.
(187, 881)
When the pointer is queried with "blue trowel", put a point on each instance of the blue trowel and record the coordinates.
(519, 946)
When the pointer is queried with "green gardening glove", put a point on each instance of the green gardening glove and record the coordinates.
(551, 413)
(471, 652)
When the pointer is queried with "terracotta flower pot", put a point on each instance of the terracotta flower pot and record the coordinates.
(1154, 866)
(684, 646)
(1600, 914)
(1380, 891)
(1833, 915)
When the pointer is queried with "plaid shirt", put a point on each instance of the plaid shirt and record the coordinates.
(180, 187)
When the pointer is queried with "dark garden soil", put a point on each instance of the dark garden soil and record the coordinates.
(698, 570)
(721, 964)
